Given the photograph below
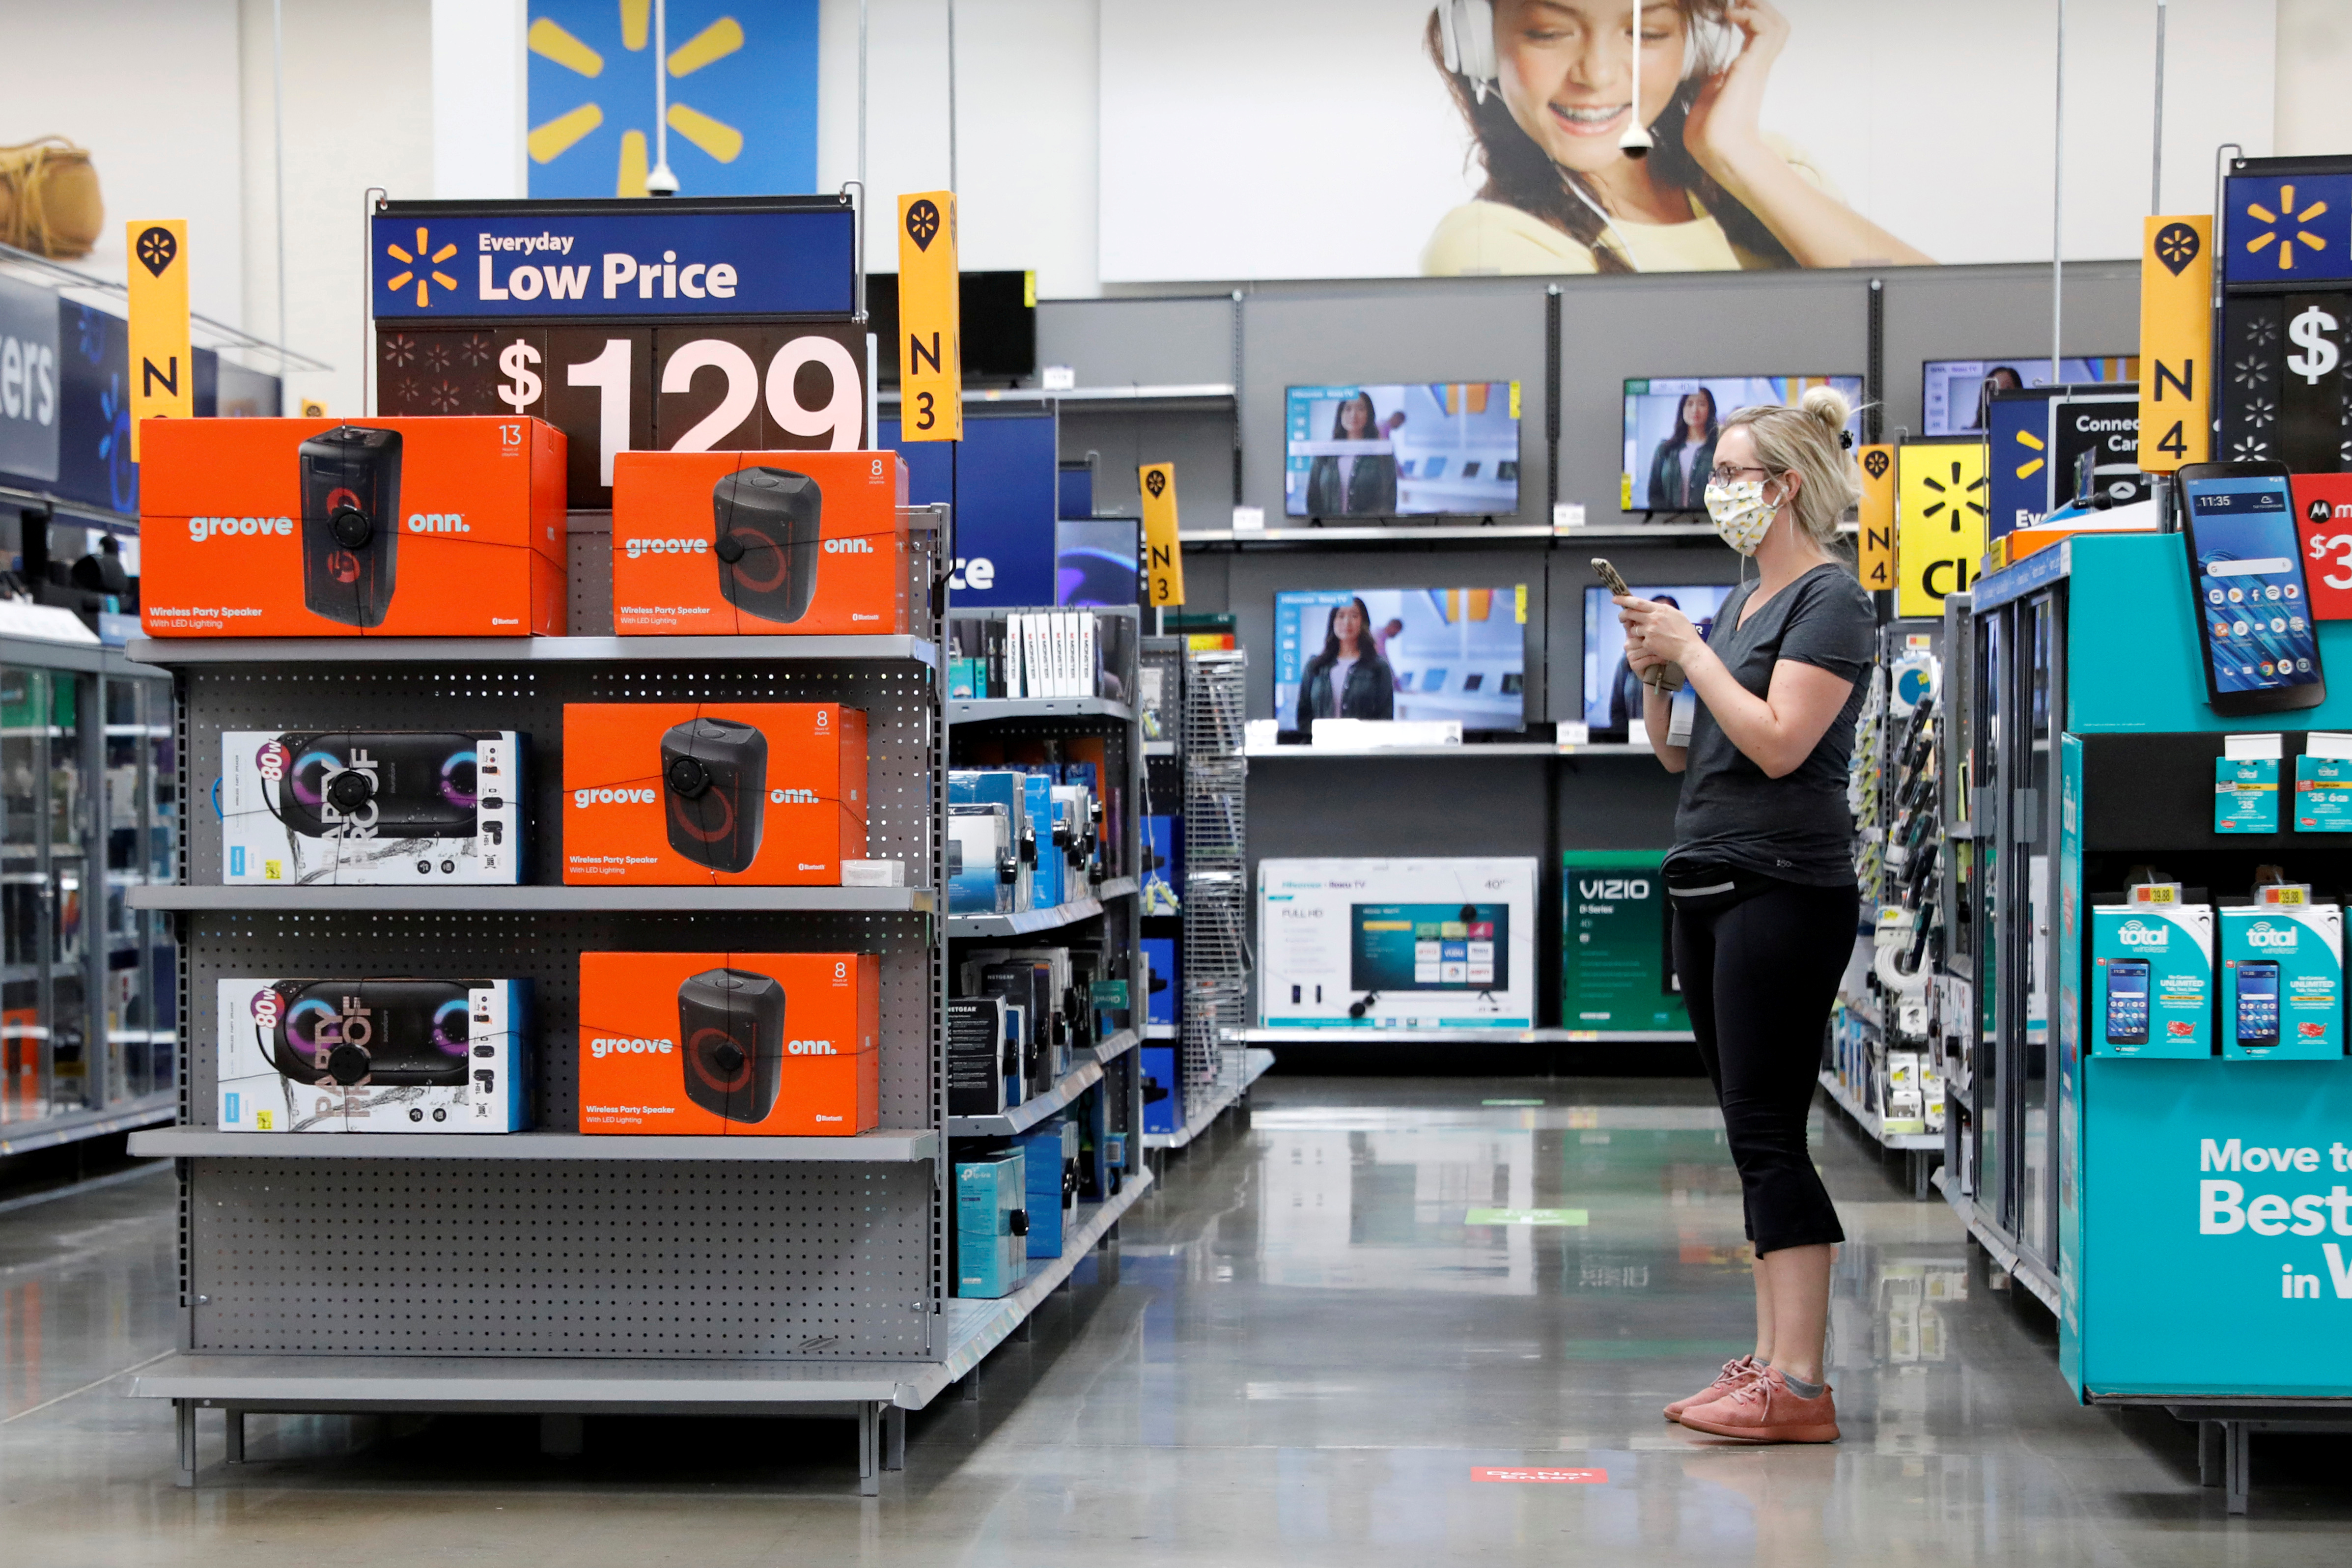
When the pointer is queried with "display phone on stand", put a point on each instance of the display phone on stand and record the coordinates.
(2128, 1002)
(2258, 1016)
(2253, 605)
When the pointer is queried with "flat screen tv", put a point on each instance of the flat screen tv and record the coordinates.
(1441, 448)
(1420, 653)
(998, 314)
(1671, 425)
(1429, 947)
(1613, 697)
(1954, 394)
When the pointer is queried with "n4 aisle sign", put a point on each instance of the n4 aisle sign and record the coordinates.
(688, 327)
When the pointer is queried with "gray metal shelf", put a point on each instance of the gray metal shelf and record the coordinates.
(1028, 922)
(1030, 1111)
(986, 709)
(1222, 1098)
(545, 900)
(171, 651)
(1457, 1036)
(73, 1126)
(1112, 1047)
(883, 1146)
(1869, 1123)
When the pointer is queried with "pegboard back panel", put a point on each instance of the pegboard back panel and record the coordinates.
(898, 698)
(590, 1258)
(546, 948)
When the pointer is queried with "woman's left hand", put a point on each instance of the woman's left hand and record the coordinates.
(1725, 127)
(1661, 631)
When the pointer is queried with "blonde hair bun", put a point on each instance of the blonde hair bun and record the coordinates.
(1827, 404)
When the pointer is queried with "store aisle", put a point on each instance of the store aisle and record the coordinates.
(1304, 1357)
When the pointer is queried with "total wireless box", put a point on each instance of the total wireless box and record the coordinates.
(762, 543)
(673, 793)
(369, 808)
(2283, 981)
(2152, 980)
(375, 1055)
(763, 1044)
(311, 528)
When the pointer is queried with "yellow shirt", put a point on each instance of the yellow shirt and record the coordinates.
(1488, 237)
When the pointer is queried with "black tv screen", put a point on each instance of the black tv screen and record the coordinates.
(1000, 324)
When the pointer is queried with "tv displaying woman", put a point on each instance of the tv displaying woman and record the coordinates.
(1348, 680)
(1717, 193)
(1678, 469)
(1356, 485)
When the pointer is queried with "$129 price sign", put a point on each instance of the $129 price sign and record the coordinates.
(798, 386)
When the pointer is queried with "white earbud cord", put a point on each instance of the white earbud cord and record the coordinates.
(1633, 259)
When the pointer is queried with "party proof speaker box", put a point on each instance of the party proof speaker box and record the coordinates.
(375, 1055)
(354, 807)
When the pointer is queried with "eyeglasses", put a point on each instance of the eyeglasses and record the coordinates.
(1724, 473)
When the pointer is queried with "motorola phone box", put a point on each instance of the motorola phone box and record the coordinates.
(2283, 981)
(313, 807)
(762, 793)
(2152, 980)
(734, 1044)
(319, 528)
(759, 542)
(375, 1055)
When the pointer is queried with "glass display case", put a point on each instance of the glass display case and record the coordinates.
(89, 986)
(2000, 1129)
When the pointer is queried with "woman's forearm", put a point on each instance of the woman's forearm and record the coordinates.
(1657, 718)
(1818, 229)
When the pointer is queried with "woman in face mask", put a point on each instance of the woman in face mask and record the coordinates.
(1762, 877)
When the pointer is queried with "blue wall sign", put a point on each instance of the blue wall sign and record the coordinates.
(642, 261)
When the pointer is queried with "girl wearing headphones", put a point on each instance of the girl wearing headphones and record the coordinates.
(1547, 87)
(1760, 880)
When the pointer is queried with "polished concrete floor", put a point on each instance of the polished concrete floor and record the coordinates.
(1306, 1358)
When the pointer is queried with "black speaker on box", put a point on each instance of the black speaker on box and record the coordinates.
(769, 525)
(715, 779)
(730, 1024)
(384, 1033)
(350, 522)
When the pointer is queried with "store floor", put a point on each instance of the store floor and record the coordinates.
(1306, 1358)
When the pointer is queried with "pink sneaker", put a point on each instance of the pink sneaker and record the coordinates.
(1763, 1410)
(1733, 1375)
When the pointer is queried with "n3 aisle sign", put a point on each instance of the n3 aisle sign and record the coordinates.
(629, 326)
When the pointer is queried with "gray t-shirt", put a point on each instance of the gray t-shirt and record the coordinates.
(1797, 828)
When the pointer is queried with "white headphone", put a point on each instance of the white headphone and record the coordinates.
(1466, 29)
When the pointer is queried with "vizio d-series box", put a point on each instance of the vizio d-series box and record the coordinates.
(2283, 981)
(2152, 980)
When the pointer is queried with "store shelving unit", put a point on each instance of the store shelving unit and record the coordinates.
(1108, 917)
(323, 1272)
(89, 815)
(1228, 1090)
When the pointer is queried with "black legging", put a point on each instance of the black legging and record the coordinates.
(1758, 978)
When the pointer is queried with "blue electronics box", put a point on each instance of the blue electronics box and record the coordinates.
(1005, 787)
(1051, 1154)
(992, 1253)
(1163, 1091)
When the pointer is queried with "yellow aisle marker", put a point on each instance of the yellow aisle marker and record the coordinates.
(930, 324)
(1875, 559)
(162, 363)
(2176, 341)
(1164, 558)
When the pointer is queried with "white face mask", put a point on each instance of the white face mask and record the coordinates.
(1741, 515)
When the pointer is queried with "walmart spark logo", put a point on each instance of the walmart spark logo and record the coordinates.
(1956, 497)
(419, 261)
(740, 103)
(2280, 229)
(2029, 466)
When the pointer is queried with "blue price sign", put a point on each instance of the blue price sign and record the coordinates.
(643, 260)
(2286, 228)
